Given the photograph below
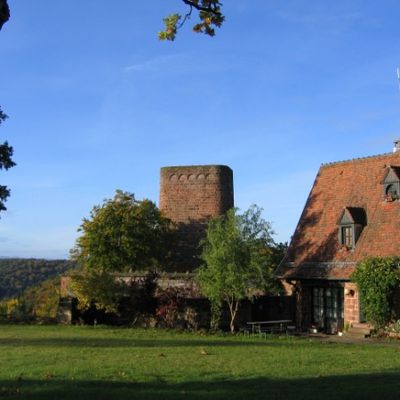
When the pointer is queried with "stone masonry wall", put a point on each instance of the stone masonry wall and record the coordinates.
(351, 304)
(190, 196)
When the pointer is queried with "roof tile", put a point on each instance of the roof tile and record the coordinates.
(355, 185)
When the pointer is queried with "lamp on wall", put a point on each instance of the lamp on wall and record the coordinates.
(349, 292)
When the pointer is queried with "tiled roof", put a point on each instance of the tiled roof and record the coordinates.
(356, 185)
(328, 270)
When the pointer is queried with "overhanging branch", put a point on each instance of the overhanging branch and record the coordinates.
(4, 12)
(213, 7)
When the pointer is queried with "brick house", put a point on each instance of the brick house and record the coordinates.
(352, 212)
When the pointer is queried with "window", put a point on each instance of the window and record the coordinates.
(347, 236)
(391, 184)
(391, 190)
(351, 224)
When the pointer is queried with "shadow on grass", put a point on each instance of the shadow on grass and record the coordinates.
(138, 342)
(360, 387)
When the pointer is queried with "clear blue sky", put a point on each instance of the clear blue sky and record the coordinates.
(97, 103)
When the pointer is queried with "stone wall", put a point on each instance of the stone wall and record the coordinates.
(303, 298)
(193, 312)
(190, 196)
(351, 304)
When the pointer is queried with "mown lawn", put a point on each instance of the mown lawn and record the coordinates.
(67, 362)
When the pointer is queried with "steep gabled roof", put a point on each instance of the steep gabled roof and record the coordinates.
(354, 187)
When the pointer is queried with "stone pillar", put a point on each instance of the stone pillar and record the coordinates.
(351, 304)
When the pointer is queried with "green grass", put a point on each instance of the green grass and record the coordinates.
(67, 362)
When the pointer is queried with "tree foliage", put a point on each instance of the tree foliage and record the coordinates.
(123, 235)
(237, 260)
(209, 13)
(6, 151)
(6, 162)
(376, 279)
(37, 303)
(19, 274)
(96, 288)
(4, 12)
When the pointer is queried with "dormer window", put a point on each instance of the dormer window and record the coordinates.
(351, 224)
(391, 184)
(392, 191)
(348, 236)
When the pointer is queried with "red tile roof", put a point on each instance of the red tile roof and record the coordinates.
(353, 184)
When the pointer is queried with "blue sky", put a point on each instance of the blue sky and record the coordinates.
(97, 103)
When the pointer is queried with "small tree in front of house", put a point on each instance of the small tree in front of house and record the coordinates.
(377, 278)
(236, 260)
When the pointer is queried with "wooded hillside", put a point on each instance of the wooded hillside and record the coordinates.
(18, 274)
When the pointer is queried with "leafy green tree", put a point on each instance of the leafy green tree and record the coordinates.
(123, 235)
(237, 261)
(6, 162)
(377, 278)
(210, 17)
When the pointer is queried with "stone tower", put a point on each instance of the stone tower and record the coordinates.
(190, 196)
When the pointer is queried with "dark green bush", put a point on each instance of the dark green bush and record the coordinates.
(377, 278)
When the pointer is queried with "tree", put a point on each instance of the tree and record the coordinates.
(4, 12)
(236, 256)
(96, 288)
(6, 162)
(377, 278)
(123, 235)
(6, 151)
(209, 12)
(210, 16)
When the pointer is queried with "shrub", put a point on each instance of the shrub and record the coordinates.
(169, 307)
(377, 278)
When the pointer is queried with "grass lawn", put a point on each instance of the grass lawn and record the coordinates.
(67, 362)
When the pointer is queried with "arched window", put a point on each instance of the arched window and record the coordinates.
(391, 184)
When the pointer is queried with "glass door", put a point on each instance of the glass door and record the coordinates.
(318, 308)
(328, 308)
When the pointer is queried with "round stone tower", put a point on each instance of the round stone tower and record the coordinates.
(190, 196)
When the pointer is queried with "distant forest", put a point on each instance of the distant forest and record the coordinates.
(18, 274)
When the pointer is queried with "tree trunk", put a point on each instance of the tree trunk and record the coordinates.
(233, 307)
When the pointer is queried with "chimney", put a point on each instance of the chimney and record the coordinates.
(396, 147)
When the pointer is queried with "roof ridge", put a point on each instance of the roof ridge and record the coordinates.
(351, 160)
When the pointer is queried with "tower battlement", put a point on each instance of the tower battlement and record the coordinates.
(190, 196)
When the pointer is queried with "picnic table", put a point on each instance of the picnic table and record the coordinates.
(277, 326)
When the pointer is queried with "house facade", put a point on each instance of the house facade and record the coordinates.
(352, 212)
